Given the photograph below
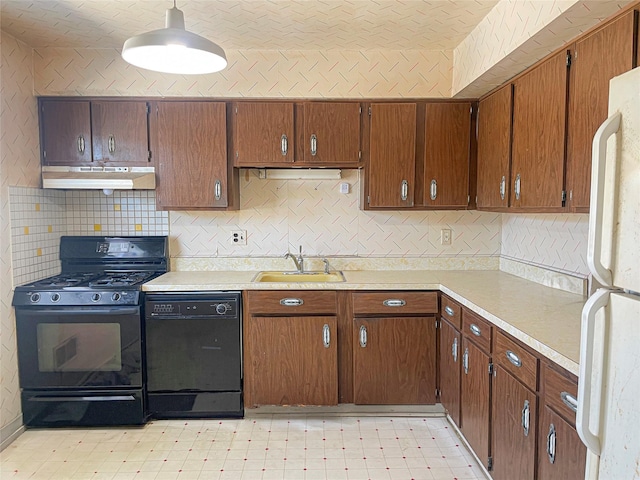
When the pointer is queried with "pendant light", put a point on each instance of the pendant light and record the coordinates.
(173, 49)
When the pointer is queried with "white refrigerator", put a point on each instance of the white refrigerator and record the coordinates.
(608, 416)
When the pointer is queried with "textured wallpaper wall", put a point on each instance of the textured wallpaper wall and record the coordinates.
(19, 165)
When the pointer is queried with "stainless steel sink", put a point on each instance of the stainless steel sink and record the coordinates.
(295, 277)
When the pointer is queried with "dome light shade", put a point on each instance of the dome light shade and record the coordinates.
(174, 50)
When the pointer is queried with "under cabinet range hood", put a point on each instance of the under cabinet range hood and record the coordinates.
(99, 178)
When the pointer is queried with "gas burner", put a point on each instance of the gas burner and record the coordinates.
(64, 280)
(121, 279)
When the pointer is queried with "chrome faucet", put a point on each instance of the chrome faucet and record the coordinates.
(299, 261)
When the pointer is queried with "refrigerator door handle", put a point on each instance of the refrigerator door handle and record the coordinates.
(599, 160)
(585, 380)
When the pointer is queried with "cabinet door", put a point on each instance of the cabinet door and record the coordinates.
(513, 434)
(539, 118)
(598, 58)
(494, 150)
(192, 155)
(446, 171)
(394, 360)
(475, 398)
(65, 129)
(331, 133)
(291, 361)
(263, 133)
(120, 132)
(561, 453)
(450, 356)
(392, 156)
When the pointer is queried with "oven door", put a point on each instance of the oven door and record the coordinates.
(86, 347)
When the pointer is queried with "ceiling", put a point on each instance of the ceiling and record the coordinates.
(251, 24)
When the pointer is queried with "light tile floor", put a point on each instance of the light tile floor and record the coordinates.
(257, 448)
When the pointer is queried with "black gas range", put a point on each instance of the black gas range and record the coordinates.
(79, 333)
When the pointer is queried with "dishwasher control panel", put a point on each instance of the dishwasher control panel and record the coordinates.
(172, 306)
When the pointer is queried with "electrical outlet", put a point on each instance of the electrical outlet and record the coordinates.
(239, 237)
(445, 236)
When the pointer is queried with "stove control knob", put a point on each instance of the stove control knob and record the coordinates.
(96, 297)
(35, 297)
(221, 309)
(55, 297)
(115, 297)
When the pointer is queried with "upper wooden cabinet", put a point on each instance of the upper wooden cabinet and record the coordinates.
(596, 59)
(331, 133)
(283, 134)
(447, 154)
(539, 129)
(263, 133)
(83, 132)
(494, 150)
(391, 171)
(192, 168)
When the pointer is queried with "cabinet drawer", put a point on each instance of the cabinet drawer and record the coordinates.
(394, 303)
(515, 359)
(560, 393)
(451, 311)
(292, 302)
(477, 329)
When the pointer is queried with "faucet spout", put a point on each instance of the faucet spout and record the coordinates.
(298, 261)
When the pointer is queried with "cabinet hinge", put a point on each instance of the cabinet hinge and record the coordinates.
(490, 368)
(149, 155)
(369, 111)
(490, 463)
(564, 197)
(148, 109)
(568, 59)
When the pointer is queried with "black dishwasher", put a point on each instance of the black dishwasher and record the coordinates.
(193, 354)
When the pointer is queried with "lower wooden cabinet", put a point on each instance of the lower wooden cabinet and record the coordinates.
(394, 360)
(475, 398)
(561, 453)
(292, 361)
(450, 359)
(514, 427)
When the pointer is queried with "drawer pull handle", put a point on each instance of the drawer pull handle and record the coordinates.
(475, 329)
(525, 418)
(363, 336)
(513, 358)
(465, 361)
(394, 302)
(291, 302)
(454, 350)
(326, 336)
(449, 311)
(569, 400)
(551, 443)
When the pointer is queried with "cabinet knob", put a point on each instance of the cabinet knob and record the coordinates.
(551, 443)
(513, 358)
(434, 189)
(363, 336)
(449, 311)
(404, 190)
(569, 400)
(326, 336)
(475, 329)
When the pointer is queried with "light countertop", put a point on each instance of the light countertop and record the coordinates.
(546, 319)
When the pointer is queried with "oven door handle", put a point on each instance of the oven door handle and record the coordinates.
(97, 398)
(85, 311)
